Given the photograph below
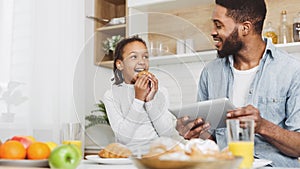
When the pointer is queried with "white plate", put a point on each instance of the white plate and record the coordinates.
(260, 163)
(94, 147)
(97, 159)
(24, 163)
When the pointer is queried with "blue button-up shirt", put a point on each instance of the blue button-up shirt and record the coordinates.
(275, 91)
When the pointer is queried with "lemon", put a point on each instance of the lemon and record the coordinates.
(51, 145)
(31, 138)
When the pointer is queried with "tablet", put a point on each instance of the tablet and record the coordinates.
(212, 111)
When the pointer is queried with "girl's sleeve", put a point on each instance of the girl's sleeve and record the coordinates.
(162, 119)
(124, 124)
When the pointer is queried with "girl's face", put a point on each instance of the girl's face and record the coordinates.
(135, 59)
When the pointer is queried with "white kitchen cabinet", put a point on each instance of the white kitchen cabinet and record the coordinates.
(167, 21)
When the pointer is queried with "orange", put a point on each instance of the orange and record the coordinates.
(12, 150)
(38, 150)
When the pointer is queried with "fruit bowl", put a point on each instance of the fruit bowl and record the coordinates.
(155, 163)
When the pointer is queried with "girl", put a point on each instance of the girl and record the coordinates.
(136, 106)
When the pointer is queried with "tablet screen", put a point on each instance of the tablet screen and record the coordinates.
(212, 111)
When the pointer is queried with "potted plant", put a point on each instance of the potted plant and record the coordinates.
(97, 119)
(98, 131)
(11, 96)
(110, 44)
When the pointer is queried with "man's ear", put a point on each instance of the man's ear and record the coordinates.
(246, 27)
(119, 64)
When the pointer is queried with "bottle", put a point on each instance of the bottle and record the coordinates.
(296, 28)
(269, 32)
(284, 35)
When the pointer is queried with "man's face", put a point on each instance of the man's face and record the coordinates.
(225, 33)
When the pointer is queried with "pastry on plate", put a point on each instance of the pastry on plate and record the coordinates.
(115, 150)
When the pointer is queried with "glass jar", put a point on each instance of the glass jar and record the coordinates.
(269, 32)
(284, 32)
(296, 28)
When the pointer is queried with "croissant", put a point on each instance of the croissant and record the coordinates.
(115, 150)
(144, 72)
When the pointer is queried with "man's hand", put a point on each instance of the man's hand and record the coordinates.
(273, 133)
(192, 129)
(248, 112)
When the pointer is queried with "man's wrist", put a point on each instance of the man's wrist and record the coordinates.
(264, 127)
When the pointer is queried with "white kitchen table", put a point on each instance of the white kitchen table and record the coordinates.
(91, 165)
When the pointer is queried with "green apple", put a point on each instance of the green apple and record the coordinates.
(66, 156)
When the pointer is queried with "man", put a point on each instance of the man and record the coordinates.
(257, 77)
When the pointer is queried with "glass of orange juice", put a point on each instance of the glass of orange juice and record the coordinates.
(240, 135)
(72, 133)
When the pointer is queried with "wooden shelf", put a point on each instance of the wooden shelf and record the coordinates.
(108, 9)
(290, 47)
(206, 56)
(116, 2)
(109, 31)
(106, 64)
(203, 56)
(112, 28)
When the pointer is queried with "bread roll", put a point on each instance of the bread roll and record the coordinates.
(115, 150)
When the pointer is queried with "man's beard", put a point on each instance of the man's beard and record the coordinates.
(231, 45)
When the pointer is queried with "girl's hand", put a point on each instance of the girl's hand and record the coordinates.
(153, 87)
(141, 87)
